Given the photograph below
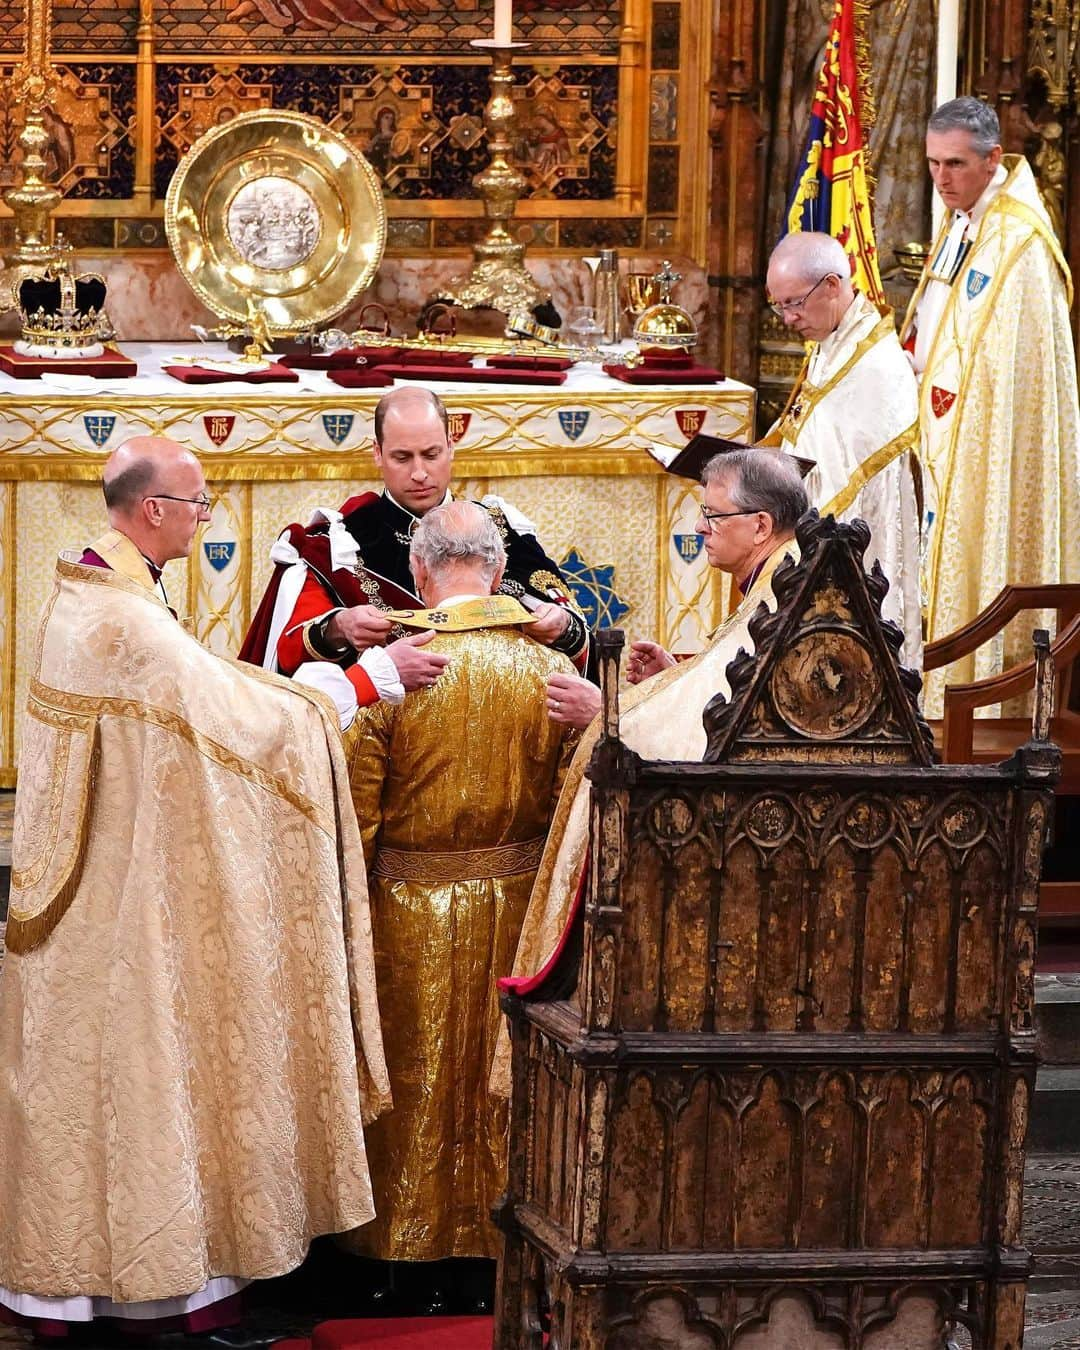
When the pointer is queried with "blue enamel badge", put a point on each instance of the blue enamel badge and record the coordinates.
(977, 282)
(99, 427)
(337, 425)
(688, 546)
(219, 552)
(573, 422)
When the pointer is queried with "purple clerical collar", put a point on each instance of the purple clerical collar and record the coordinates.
(751, 577)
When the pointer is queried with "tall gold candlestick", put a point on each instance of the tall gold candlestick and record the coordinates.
(498, 278)
(32, 84)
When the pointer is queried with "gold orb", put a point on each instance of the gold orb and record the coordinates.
(665, 327)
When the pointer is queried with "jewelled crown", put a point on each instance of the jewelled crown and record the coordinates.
(61, 310)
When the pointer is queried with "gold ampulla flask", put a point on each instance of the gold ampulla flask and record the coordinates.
(608, 306)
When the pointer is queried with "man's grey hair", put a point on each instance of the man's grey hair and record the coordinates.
(761, 480)
(457, 532)
(971, 115)
(814, 254)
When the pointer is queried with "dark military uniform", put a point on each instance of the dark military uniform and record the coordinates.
(383, 532)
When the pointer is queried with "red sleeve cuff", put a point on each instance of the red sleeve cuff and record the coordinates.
(366, 693)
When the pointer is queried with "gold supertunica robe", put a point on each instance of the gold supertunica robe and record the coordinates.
(1000, 426)
(189, 1033)
(856, 415)
(659, 719)
(454, 790)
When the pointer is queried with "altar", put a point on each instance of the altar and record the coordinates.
(574, 458)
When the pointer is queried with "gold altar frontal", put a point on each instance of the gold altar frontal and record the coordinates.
(573, 458)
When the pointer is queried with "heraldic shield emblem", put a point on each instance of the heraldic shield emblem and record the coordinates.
(219, 426)
(573, 422)
(977, 282)
(99, 427)
(691, 420)
(457, 424)
(219, 552)
(337, 426)
(941, 400)
(688, 546)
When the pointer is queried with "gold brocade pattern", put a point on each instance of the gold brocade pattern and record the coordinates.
(473, 763)
(78, 704)
(187, 1058)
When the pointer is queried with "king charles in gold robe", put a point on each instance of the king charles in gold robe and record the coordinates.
(454, 790)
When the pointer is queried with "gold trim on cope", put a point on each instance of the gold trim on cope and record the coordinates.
(275, 211)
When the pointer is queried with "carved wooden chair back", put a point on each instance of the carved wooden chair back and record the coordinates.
(776, 1096)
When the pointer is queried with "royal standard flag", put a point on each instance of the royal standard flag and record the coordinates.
(832, 185)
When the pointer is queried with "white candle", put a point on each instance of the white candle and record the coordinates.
(504, 30)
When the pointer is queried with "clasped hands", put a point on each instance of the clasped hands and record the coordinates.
(364, 626)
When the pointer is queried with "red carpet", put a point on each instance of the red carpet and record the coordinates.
(399, 1333)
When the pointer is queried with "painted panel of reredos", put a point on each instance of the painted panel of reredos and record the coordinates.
(776, 908)
(800, 1159)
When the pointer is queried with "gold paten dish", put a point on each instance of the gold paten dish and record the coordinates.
(276, 211)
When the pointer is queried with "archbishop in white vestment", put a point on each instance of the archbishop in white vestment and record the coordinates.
(855, 414)
(662, 717)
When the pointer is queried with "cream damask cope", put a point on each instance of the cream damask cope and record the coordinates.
(856, 416)
(1000, 428)
(189, 1035)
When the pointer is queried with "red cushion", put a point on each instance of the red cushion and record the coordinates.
(405, 1333)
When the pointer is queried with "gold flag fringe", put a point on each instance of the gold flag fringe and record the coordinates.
(864, 67)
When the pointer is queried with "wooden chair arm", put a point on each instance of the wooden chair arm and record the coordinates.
(1006, 605)
(961, 700)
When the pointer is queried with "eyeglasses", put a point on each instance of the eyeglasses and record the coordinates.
(202, 501)
(782, 307)
(709, 516)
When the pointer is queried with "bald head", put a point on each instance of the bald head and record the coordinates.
(809, 279)
(132, 470)
(154, 493)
